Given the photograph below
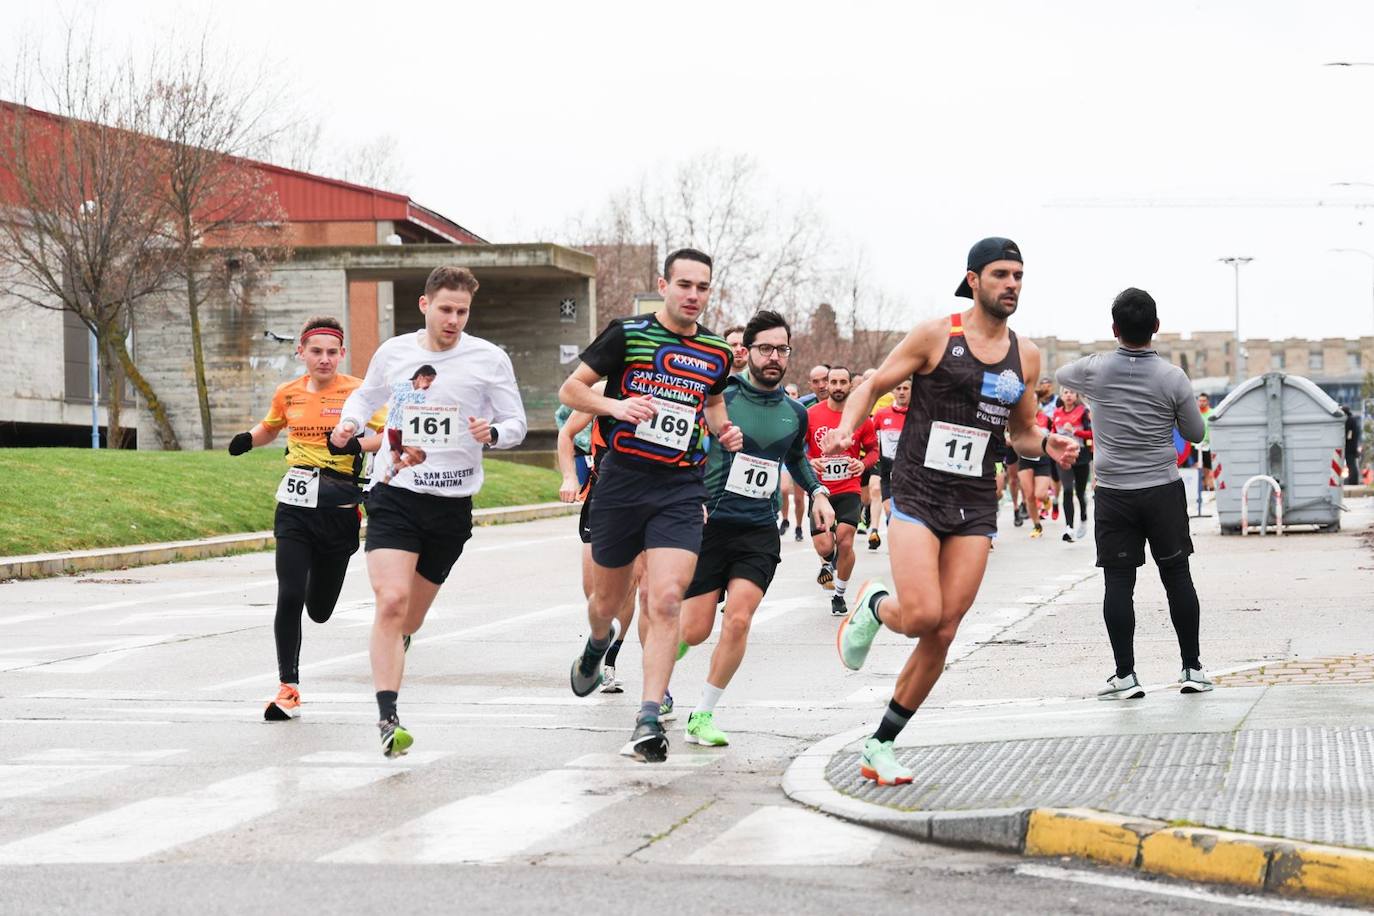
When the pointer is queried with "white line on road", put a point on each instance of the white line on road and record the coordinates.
(99, 755)
(134, 602)
(776, 836)
(496, 826)
(1031, 870)
(28, 780)
(480, 629)
(156, 824)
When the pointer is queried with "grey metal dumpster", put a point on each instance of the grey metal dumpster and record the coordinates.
(1287, 428)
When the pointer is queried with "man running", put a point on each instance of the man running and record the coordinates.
(968, 398)
(1072, 418)
(887, 425)
(734, 336)
(841, 474)
(316, 523)
(740, 548)
(665, 377)
(419, 520)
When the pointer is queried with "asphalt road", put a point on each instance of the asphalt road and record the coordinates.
(137, 775)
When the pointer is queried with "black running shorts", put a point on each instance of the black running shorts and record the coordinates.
(1126, 519)
(1040, 466)
(885, 476)
(435, 527)
(324, 530)
(735, 552)
(951, 521)
(848, 508)
(639, 507)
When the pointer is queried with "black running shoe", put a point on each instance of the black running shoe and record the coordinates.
(783, 526)
(837, 606)
(798, 534)
(405, 642)
(586, 668)
(648, 744)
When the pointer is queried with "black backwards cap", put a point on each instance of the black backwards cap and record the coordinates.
(984, 253)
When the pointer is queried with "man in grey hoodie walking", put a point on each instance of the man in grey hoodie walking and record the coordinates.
(1137, 400)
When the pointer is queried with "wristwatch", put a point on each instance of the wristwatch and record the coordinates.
(495, 437)
(821, 491)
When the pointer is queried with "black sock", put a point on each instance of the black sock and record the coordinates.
(386, 703)
(648, 710)
(894, 720)
(614, 652)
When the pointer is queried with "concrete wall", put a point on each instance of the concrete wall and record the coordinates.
(32, 390)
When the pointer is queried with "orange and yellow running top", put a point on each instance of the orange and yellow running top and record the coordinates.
(309, 418)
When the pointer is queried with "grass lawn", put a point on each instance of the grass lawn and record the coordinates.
(73, 499)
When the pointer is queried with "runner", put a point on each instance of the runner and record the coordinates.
(419, 520)
(734, 336)
(1204, 406)
(969, 397)
(1072, 418)
(887, 425)
(819, 380)
(840, 473)
(316, 522)
(1048, 403)
(575, 425)
(665, 377)
(1034, 474)
(740, 549)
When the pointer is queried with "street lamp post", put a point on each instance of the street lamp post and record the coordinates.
(1237, 369)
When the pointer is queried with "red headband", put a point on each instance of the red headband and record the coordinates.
(332, 332)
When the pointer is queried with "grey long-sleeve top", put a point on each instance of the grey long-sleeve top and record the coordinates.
(1137, 400)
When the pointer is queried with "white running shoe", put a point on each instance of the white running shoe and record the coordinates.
(1194, 680)
(1122, 688)
(1081, 531)
(609, 682)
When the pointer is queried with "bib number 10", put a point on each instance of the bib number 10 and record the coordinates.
(753, 477)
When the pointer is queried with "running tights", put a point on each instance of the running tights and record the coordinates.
(1118, 608)
(1074, 480)
(306, 579)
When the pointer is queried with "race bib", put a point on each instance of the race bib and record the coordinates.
(887, 442)
(753, 477)
(300, 487)
(956, 449)
(672, 427)
(835, 467)
(432, 426)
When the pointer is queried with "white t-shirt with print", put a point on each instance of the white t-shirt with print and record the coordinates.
(475, 376)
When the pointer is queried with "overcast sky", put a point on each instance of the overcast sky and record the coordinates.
(915, 129)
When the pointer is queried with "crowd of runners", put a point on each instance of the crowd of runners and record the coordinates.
(693, 459)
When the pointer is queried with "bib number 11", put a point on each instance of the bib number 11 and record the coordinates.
(956, 449)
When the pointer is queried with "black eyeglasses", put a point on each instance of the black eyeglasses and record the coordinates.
(767, 350)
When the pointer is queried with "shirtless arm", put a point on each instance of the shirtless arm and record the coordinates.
(1023, 435)
(916, 352)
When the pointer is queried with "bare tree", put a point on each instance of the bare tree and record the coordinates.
(82, 227)
(224, 213)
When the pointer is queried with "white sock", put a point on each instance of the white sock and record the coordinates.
(839, 585)
(710, 696)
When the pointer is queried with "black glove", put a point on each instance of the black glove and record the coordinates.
(354, 446)
(241, 443)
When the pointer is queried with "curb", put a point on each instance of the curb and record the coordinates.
(43, 565)
(1257, 863)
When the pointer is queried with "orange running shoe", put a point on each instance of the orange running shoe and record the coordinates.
(286, 706)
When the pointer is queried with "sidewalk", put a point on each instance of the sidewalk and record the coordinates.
(1229, 786)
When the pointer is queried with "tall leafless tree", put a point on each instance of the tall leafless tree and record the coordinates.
(224, 213)
(83, 224)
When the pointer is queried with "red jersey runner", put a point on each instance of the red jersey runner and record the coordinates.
(821, 419)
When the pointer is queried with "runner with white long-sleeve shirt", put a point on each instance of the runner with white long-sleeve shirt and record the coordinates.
(452, 394)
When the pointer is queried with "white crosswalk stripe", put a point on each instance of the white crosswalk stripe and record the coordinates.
(30, 779)
(496, 826)
(789, 836)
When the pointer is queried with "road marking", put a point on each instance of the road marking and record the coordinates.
(85, 664)
(512, 544)
(151, 826)
(1138, 885)
(501, 824)
(480, 629)
(134, 602)
(98, 755)
(30, 779)
(680, 760)
(789, 836)
(369, 758)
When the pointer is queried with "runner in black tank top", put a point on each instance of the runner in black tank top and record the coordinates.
(961, 391)
(963, 414)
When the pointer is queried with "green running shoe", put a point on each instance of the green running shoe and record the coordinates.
(701, 729)
(665, 709)
(395, 739)
(879, 764)
(682, 648)
(855, 636)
